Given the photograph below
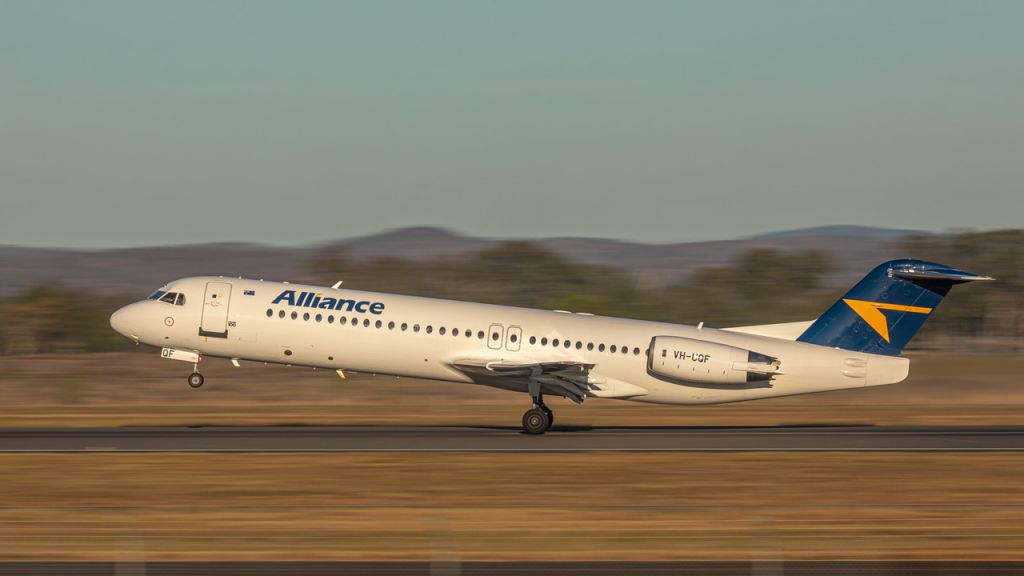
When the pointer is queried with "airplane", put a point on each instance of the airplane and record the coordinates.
(857, 342)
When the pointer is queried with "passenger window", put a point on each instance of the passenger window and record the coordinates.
(590, 345)
(305, 316)
(319, 317)
(469, 333)
(269, 312)
(295, 315)
(342, 320)
(455, 331)
(404, 326)
(430, 329)
(330, 318)
(555, 342)
(513, 338)
(416, 328)
(280, 314)
(579, 345)
(544, 341)
(495, 336)
(625, 349)
(636, 351)
(568, 343)
(441, 330)
(533, 340)
(600, 347)
(391, 325)
(366, 323)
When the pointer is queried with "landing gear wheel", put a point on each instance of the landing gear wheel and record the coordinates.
(551, 416)
(535, 421)
(195, 380)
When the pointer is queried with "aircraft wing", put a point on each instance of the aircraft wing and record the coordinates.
(573, 380)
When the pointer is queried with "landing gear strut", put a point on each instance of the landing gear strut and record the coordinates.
(538, 419)
(551, 415)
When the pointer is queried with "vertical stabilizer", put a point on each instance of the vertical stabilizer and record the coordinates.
(886, 308)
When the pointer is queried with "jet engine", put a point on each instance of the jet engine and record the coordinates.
(708, 362)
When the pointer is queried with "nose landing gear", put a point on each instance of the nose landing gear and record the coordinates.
(195, 379)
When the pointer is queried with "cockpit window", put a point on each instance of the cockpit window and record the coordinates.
(176, 298)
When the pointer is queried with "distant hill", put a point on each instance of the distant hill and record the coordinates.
(842, 230)
(140, 270)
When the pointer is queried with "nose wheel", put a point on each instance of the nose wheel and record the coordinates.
(195, 379)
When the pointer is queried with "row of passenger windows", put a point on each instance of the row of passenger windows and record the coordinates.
(589, 345)
(468, 333)
(343, 320)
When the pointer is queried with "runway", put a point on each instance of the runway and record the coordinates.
(613, 568)
(508, 439)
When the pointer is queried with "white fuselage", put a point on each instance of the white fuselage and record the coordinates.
(422, 338)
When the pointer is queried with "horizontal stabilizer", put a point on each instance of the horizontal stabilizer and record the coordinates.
(785, 331)
(949, 275)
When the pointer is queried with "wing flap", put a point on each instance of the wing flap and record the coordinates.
(573, 380)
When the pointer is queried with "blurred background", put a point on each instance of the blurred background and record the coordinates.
(731, 163)
(58, 300)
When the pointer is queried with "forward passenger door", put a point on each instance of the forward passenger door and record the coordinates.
(215, 310)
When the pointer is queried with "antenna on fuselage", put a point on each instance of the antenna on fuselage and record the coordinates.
(337, 284)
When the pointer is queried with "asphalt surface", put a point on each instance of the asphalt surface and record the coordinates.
(507, 439)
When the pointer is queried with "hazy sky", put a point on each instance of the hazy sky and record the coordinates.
(131, 123)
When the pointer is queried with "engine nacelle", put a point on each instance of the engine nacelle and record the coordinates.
(708, 362)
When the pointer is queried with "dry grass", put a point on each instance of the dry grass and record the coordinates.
(512, 507)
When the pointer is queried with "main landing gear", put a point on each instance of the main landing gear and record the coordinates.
(538, 420)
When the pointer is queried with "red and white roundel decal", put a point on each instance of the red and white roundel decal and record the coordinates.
(169, 321)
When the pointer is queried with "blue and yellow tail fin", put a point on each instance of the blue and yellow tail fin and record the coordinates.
(886, 309)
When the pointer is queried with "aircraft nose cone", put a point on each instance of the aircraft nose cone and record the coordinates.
(122, 322)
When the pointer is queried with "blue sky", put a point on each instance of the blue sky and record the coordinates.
(138, 123)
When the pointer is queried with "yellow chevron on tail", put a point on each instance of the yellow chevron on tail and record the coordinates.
(871, 312)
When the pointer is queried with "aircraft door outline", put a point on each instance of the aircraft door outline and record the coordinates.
(216, 302)
(513, 338)
(495, 336)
